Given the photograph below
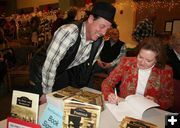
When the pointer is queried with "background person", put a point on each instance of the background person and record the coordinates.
(145, 28)
(147, 75)
(173, 53)
(110, 55)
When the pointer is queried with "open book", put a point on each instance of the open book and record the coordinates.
(133, 106)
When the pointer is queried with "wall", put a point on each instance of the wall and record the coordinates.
(166, 11)
(126, 20)
(8, 6)
(34, 3)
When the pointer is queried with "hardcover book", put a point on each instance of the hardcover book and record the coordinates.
(129, 122)
(133, 106)
(57, 98)
(78, 114)
(25, 106)
(16, 123)
(89, 97)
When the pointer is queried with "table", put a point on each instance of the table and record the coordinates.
(107, 120)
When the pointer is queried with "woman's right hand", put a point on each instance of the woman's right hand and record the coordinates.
(112, 98)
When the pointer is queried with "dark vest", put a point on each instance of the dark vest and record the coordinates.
(174, 62)
(109, 53)
(77, 76)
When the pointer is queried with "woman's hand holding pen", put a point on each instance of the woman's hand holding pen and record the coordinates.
(112, 98)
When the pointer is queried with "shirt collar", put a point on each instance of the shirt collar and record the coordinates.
(178, 55)
(147, 20)
(83, 33)
(145, 69)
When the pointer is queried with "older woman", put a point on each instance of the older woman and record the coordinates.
(145, 74)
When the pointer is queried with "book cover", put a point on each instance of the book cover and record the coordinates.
(57, 98)
(52, 117)
(133, 106)
(129, 122)
(25, 106)
(16, 123)
(78, 114)
(88, 97)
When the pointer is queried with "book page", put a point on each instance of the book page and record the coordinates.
(140, 103)
(122, 110)
(133, 106)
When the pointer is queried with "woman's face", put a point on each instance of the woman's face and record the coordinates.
(146, 59)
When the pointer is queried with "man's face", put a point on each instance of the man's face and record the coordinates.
(115, 36)
(97, 28)
(177, 47)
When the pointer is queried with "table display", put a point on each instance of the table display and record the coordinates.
(155, 116)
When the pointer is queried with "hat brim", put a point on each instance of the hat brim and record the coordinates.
(114, 25)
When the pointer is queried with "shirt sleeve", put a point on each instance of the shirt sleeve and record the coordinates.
(121, 54)
(110, 82)
(166, 96)
(63, 39)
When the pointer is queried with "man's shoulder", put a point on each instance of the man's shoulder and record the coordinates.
(72, 26)
(69, 26)
(121, 42)
(143, 21)
(128, 59)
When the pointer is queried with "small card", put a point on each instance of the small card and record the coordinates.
(51, 117)
(16, 123)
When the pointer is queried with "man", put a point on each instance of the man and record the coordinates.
(100, 19)
(145, 28)
(173, 53)
(110, 55)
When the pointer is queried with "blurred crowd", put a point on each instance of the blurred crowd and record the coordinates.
(38, 27)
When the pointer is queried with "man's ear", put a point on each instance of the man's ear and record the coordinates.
(91, 19)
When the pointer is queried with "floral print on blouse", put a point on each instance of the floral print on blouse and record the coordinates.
(159, 84)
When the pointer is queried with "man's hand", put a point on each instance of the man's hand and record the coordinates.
(101, 63)
(43, 99)
(107, 65)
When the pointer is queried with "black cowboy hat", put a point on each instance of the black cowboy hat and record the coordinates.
(104, 10)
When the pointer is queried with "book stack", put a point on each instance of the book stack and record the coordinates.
(129, 122)
(88, 97)
(57, 98)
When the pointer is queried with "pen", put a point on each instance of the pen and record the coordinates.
(116, 96)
